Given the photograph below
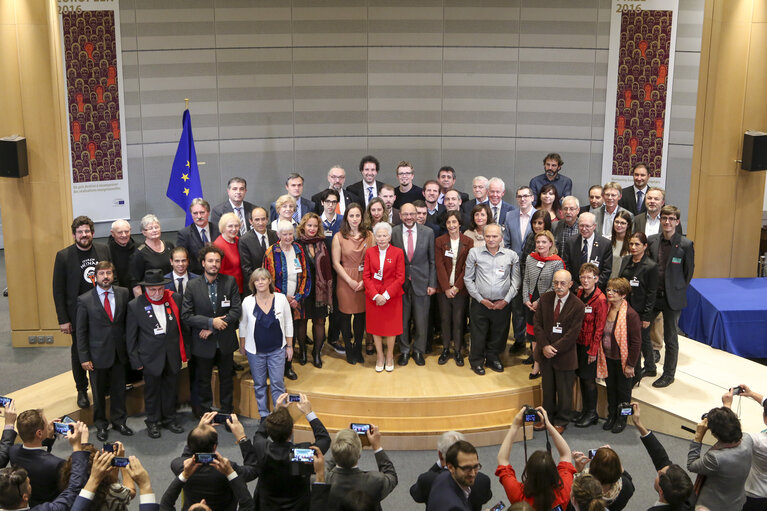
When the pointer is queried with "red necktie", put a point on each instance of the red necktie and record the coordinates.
(410, 244)
(557, 309)
(108, 306)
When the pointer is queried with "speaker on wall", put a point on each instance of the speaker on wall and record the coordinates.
(754, 151)
(13, 157)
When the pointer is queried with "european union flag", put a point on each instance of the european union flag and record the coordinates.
(184, 182)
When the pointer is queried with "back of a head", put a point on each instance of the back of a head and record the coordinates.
(606, 466)
(12, 486)
(357, 500)
(675, 484)
(541, 479)
(724, 425)
(447, 439)
(279, 425)
(202, 439)
(28, 423)
(587, 493)
(522, 505)
(346, 448)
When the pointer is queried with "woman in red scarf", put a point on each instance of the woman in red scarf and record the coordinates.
(540, 267)
(311, 237)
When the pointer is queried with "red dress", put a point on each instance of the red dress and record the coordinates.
(230, 264)
(384, 320)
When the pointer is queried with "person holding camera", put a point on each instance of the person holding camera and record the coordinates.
(619, 352)
(544, 484)
(756, 484)
(604, 464)
(726, 465)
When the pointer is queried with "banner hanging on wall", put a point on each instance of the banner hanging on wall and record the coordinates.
(93, 72)
(640, 73)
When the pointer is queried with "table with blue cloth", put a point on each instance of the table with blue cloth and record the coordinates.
(728, 314)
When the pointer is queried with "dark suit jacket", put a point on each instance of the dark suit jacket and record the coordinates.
(226, 207)
(358, 189)
(9, 436)
(570, 319)
(378, 485)
(66, 280)
(278, 487)
(421, 271)
(98, 339)
(172, 284)
(43, 470)
(467, 206)
(210, 484)
(65, 500)
(238, 487)
(446, 495)
(601, 255)
(196, 311)
(628, 200)
(251, 254)
(307, 206)
(600, 220)
(189, 238)
(640, 222)
(642, 297)
(505, 208)
(395, 218)
(480, 490)
(147, 350)
(679, 269)
(349, 197)
(319, 498)
(444, 264)
(660, 460)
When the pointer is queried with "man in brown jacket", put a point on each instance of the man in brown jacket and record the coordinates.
(557, 322)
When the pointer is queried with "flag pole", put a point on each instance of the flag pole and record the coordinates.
(186, 103)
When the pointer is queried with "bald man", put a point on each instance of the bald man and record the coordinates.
(121, 247)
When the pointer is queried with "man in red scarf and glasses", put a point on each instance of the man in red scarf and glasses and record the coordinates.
(155, 341)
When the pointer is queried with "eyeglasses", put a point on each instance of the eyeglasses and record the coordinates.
(328, 201)
(404, 173)
(667, 218)
(524, 196)
(470, 468)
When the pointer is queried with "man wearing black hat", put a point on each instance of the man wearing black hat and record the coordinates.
(155, 340)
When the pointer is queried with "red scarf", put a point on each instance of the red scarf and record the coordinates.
(167, 300)
(538, 257)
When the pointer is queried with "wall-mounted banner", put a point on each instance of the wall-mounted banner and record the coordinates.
(93, 71)
(640, 72)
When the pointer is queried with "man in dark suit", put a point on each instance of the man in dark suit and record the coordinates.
(450, 488)
(479, 189)
(283, 484)
(498, 207)
(595, 200)
(101, 314)
(194, 236)
(155, 343)
(632, 197)
(648, 221)
(73, 275)
(480, 488)
(446, 179)
(9, 434)
(367, 189)
(387, 195)
(675, 256)
(589, 247)
(344, 475)
(254, 243)
(422, 217)
(207, 482)
(236, 189)
(294, 184)
(417, 241)
(605, 216)
(211, 308)
(336, 181)
(557, 323)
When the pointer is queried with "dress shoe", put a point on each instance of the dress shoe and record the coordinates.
(539, 426)
(516, 348)
(418, 357)
(82, 399)
(153, 430)
(123, 429)
(587, 419)
(351, 357)
(459, 359)
(237, 367)
(370, 349)
(496, 366)
(102, 434)
(478, 370)
(560, 429)
(663, 381)
(529, 360)
(620, 424)
(443, 357)
(403, 358)
(197, 411)
(173, 427)
(379, 369)
(534, 376)
(389, 366)
(302, 355)
(647, 372)
(656, 355)
(337, 347)
(609, 423)
(578, 416)
(316, 359)
(290, 374)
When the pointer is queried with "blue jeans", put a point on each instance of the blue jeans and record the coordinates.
(267, 364)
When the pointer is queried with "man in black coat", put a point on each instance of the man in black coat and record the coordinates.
(283, 484)
(121, 249)
(448, 493)
(194, 236)
(336, 181)
(155, 342)
(101, 344)
(369, 187)
(236, 189)
(73, 275)
(588, 247)
(254, 243)
(211, 308)
(480, 488)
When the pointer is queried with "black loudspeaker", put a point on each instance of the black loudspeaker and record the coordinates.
(754, 151)
(13, 157)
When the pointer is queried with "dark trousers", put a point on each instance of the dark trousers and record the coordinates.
(488, 333)
(647, 353)
(224, 361)
(670, 336)
(518, 322)
(335, 320)
(452, 312)
(112, 381)
(587, 374)
(618, 386)
(359, 332)
(755, 504)
(557, 387)
(415, 309)
(80, 375)
(191, 365)
(160, 394)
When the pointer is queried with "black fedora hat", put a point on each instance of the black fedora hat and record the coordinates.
(154, 278)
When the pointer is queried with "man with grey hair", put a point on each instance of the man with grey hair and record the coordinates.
(294, 184)
(567, 228)
(479, 189)
(344, 475)
(121, 248)
(480, 491)
(588, 247)
(195, 235)
(336, 181)
(496, 189)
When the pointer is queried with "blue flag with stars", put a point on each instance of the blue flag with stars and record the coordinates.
(184, 184)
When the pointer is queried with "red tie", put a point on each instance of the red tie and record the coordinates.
(557, 309)
(410, 244)
(108, 306)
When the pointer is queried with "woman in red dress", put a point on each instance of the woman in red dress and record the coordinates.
(384, 276)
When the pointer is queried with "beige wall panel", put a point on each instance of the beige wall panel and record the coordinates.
(11, 120)
(8, 12)
(32, 12)
(749, 197)
(755, 112)
(713, 241)
(760, 11)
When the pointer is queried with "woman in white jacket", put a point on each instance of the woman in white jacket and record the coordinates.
(266, 336)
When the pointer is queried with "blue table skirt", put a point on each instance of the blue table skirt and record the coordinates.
(728, 314)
